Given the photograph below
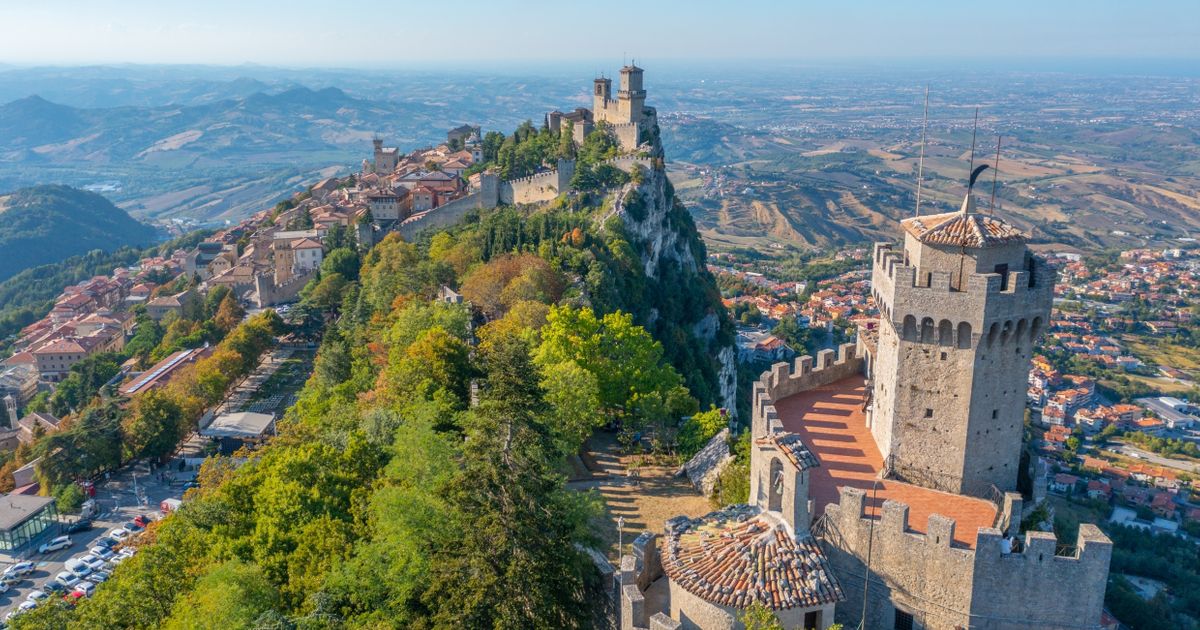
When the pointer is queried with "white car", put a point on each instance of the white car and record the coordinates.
(37, 596)
(62, 542)
(20, 568)
(67, 579)
(27, 606)
(77, 566)
(99, 577)
(119, 534)
(102, 552)
(4, 587)
(85, 588)
(94, 563)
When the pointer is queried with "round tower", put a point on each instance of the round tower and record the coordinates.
(961, 306)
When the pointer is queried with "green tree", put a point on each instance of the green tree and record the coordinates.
(231, 595)
(573, 394)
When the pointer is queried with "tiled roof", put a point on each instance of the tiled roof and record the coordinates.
(741, 555)
(962, 228)
(792, 447)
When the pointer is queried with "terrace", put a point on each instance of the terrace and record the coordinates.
(831, 422)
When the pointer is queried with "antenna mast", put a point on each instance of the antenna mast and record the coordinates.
(995, 176)
(974, 130)
(921, 160)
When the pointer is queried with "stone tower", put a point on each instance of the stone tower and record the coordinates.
(601, 94)
(631, 98)
(961, 307)
(10, 411)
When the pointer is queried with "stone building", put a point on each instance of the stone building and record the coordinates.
(887, 470)
(626, 115)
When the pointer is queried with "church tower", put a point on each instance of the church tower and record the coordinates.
(961, 306)
(631, 99)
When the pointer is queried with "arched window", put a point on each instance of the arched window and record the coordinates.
(945, 333)
(910, 328)
(1021, 326)
(1035, 330)
(927, 330)
(964, 335)
(1006, 332)
(775, 488)
(992, 333)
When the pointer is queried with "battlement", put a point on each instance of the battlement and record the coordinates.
(930, 309)
(639, 569)
(1051, 585)
(804, 374)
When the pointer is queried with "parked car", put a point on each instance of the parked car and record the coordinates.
(4, 587)
(37, 596)
(20, 568)
(67, 579)
(54, 588)
(77, 566)
(81, 525)
(132, 527)
(86, 588)
(94, 563)
(142, 520)
(27, 606)
(119, 534)
(108, 542)
(62, 542)
(99, 577)
(102, 552)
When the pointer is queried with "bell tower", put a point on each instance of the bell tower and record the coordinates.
(961, 306)
(601, 93)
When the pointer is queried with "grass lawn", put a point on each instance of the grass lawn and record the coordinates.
(1068, 515)
(1163, 353)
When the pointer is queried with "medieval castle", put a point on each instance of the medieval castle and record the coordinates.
(883, 479)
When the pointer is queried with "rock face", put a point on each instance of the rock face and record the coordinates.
(681, 291)
(705, 466)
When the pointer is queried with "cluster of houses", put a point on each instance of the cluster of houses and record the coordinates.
(1142, 495)
(845, 298)
(264, 260)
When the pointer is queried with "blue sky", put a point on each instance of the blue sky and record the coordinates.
(378, 33)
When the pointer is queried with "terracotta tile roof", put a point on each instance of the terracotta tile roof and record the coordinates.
(964, 229)
(740, 555)
(792, 447)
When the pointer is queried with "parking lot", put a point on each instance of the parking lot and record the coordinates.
(135, 490)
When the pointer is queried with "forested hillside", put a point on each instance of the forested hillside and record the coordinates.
(45, 224)
(417, 482)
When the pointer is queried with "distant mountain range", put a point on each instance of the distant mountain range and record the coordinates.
(46, 224)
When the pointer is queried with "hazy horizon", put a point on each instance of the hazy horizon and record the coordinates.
(313, 34)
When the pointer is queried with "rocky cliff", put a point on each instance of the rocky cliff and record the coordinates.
(682, 302)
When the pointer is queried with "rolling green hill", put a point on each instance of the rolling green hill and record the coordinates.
(46, 224)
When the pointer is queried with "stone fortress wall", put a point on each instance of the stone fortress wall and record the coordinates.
(639, 569)
(537, 188)
(942, 585)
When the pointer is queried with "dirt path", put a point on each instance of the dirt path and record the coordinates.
(645, 501)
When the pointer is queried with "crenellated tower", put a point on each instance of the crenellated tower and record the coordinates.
(961, 306)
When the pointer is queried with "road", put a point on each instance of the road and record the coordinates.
(1154, 458)
(119, 503)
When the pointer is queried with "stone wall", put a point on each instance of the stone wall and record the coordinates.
(441, 216)
(540, 187)
(783, 380)
(948, 587)
(639, 569)
(704, 467)
(270, 294)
